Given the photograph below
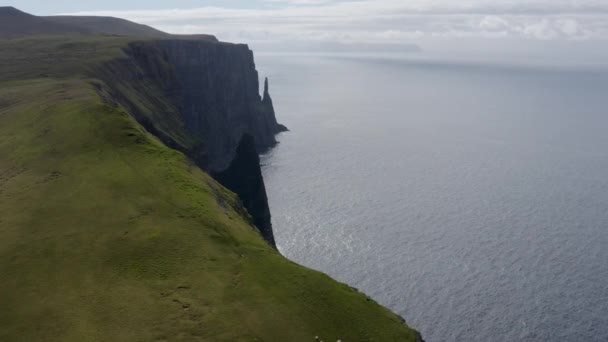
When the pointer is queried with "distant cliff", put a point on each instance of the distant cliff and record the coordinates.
(202, 98)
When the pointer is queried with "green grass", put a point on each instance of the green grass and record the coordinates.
(56, 56)
(106, 234)
(100, 57)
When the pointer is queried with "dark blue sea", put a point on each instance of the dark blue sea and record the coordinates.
(470, 199)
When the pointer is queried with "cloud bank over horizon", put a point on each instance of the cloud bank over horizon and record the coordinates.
(385, 21)
(565, 28)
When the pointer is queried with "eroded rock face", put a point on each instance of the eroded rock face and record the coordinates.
(219, 97)
(268, 106)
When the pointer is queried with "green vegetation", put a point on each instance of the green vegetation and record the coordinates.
(106, 234)
(56, 56)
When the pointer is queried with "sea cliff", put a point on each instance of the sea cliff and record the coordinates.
(209, 95)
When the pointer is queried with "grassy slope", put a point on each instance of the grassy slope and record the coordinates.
(108, 235)
(74, 57)
(108, 26)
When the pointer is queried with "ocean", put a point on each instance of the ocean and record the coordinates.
(472, 199)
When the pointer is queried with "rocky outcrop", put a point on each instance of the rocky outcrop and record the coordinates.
(267, 104)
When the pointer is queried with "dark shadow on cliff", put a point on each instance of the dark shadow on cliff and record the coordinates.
(244, 177)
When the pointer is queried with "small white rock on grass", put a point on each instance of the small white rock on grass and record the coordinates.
(317, 339)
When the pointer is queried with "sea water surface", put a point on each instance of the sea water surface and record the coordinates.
(472, 200)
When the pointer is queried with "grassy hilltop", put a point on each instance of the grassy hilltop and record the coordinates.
(106, 234)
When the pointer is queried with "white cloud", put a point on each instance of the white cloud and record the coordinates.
(493, 23)
(387, 21)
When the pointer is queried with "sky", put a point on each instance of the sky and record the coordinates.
(576, 28)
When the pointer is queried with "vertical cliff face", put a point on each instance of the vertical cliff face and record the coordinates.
(217, 94)
(203, 98)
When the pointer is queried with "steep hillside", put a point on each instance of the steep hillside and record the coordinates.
(107, 234)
